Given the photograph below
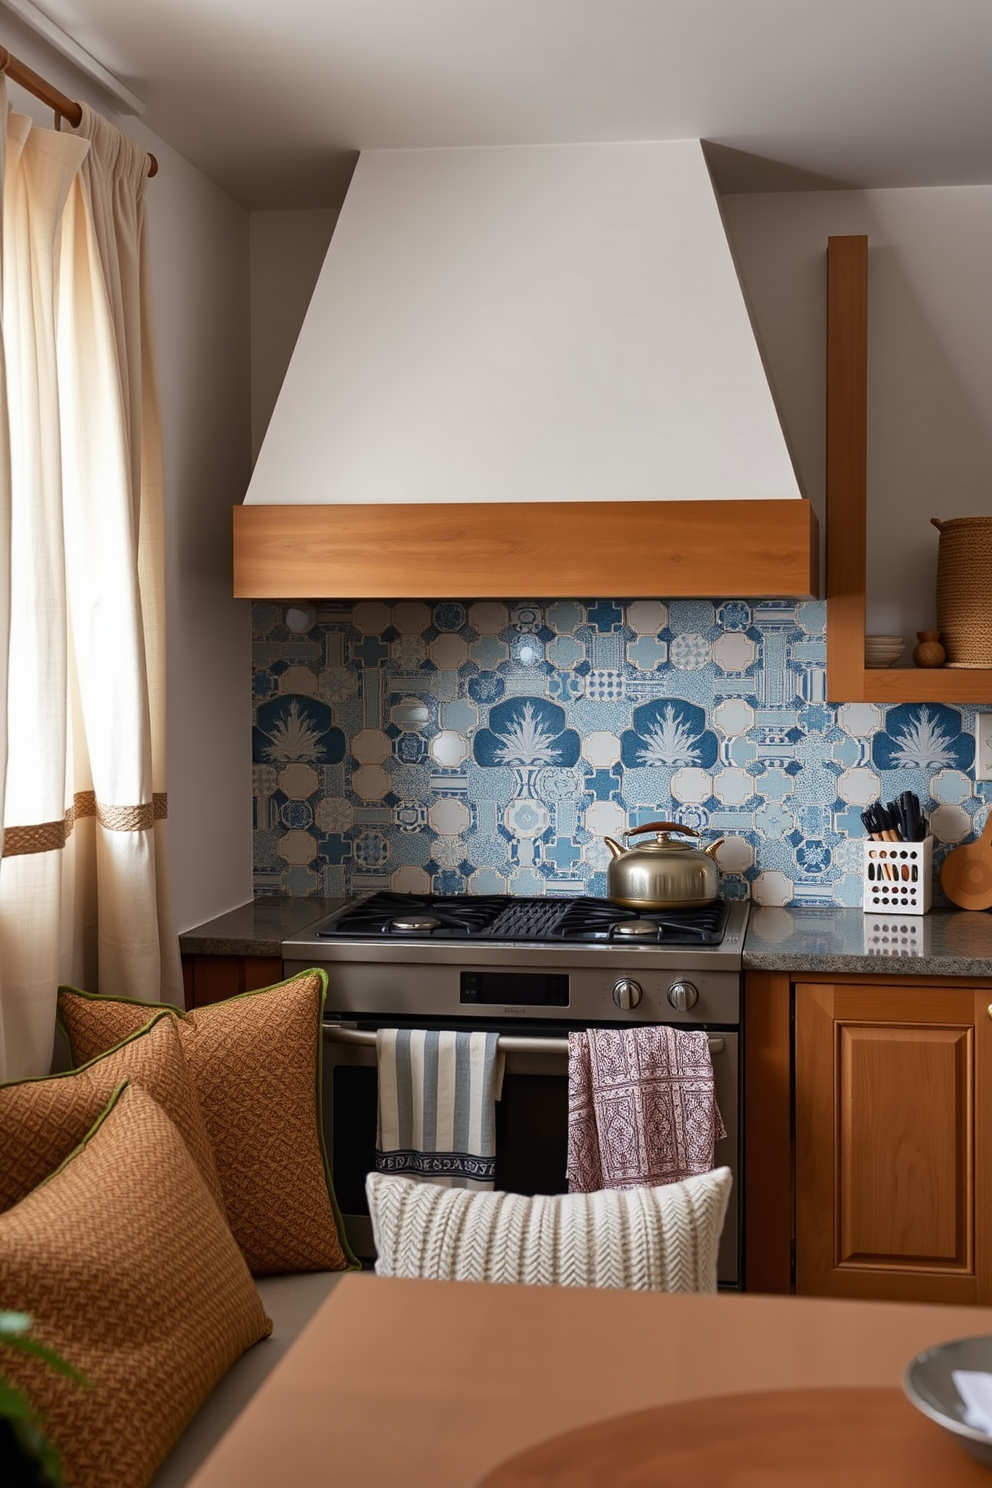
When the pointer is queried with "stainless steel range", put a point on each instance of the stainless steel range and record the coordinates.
(533, 969)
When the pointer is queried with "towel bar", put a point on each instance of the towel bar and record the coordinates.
(508, 1044)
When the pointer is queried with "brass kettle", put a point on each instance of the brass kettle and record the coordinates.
(663, 874)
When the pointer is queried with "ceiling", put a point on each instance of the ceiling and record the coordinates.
(273, 98)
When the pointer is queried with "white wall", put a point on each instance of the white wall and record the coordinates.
(287, 250)
(199, 242)
(929, 362)
(200, 271)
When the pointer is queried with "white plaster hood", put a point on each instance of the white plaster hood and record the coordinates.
(531, 323)
(498, 332)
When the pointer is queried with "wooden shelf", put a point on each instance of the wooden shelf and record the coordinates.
(928, 685)
(848, 679)
(547, 550)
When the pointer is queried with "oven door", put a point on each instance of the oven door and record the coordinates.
(531, 1119)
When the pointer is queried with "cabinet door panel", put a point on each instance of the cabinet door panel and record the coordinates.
(904, 1119)
(888, 1112)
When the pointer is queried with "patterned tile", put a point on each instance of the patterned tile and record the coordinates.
(491, 746)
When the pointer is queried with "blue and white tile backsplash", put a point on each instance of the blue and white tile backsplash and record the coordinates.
(488, 747)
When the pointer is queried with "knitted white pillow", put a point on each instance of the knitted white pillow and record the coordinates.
(649, 1239)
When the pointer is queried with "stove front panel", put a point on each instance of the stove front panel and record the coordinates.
(386, 979)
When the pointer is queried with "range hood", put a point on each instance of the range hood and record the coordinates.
(526, 371)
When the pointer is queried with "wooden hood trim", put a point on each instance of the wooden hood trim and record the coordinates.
(550, 550)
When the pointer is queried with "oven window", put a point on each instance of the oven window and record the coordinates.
(531, 1134)
(352, 1155)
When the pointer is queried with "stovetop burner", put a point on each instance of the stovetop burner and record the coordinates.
(502, 917)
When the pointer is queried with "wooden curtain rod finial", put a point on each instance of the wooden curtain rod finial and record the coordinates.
(19, 72)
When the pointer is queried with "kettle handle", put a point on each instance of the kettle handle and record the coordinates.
(663, 827)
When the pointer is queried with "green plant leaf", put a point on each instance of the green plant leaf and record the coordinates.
(13, 1405)
(37, 1446)
(52, 1359)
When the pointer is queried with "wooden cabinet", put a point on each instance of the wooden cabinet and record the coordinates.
(209, 979)
(893, 1140)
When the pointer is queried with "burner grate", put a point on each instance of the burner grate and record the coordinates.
(501, 917)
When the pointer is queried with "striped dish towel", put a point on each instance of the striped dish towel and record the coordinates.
(437, 1117)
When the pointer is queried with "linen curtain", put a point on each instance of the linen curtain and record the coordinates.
(83, 875)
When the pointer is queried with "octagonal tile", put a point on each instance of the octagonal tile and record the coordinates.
(371, 617)
(732, 787)
(733, 717)
(448, 652)
(449, 816)
(449, 749)
(298, 781)
(601, 749)
(371, 782)
(647, 616)
(692, 785)
(859, 787)
(772, 887)
(488, 618)
(371, 746)
(733, 652)
(297, 848)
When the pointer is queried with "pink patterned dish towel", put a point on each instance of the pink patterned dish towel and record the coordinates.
(642, 1108)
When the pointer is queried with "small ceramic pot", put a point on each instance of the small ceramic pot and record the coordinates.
(929, 652)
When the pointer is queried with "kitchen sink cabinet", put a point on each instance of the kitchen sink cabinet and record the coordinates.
(872, 1101)
(209, 979)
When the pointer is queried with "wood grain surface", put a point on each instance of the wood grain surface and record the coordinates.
(541, 550)
(966, 874)
(432, 1384)
(892, 1135)
(868, 1438)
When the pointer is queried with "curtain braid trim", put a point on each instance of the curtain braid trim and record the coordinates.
(50, 836)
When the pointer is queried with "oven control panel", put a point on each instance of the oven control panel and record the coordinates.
(517, 988)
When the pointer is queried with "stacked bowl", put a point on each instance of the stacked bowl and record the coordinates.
(883, 650)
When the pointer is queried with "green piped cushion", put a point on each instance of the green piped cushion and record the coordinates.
(255, 1062)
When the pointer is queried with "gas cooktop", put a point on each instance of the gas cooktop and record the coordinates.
(503, 917)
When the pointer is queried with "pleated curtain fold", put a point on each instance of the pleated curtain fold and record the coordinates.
(83, 873)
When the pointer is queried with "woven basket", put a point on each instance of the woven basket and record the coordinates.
(964, 590)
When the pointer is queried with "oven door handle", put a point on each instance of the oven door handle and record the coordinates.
(508, 1044)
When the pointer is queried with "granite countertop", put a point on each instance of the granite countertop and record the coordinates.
(945, 942)
(257, 928)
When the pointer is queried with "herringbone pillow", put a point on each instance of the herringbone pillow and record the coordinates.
(648, 1239)
(43, 1120)
(255, 1061)
(128, 1269)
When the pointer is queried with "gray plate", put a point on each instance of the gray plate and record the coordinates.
(928, 1383)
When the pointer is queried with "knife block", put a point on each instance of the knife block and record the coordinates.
(898, 877)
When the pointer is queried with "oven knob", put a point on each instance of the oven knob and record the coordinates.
(627, 994)
(683, 996)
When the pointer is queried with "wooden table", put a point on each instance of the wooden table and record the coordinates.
(423, 1384)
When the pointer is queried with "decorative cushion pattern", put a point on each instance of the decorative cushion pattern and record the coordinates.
(648, 1239)
(128, 1269)
(255, 1063)
(42, 1121)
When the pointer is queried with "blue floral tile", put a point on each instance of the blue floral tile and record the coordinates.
(490, 746)
(923, 736)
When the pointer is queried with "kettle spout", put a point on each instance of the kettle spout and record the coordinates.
(615, 849)
(711, 850)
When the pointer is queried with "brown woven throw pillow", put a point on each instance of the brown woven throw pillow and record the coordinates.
(127, 1268)
(42, 1121)
(255, 1061)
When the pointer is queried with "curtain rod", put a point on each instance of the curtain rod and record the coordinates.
(19, 72)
